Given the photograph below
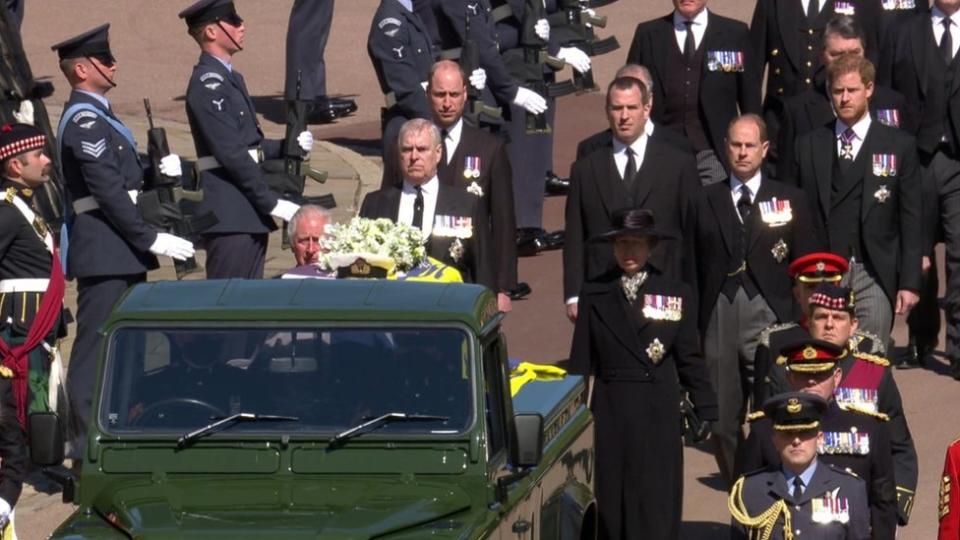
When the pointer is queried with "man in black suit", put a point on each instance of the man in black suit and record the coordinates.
(444, 213)
(703, 77)
(605, 138)
(636, 170)
(637, 336)
(476, 162)
(866, 199)
(919, 60)
(740, 238)
(811, 108)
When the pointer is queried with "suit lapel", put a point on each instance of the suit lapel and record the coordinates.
(823, 145)
(819, 484)
(711, 38)
(614, 311)
(788, 13)
(663, 38)
(647, 174)
(921, 38)
(866, 153)
(777, 485)
(765, 193)
(612, 192)
(722, 204)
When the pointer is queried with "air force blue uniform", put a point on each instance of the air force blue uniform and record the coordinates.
(224, 126)
(399, 45)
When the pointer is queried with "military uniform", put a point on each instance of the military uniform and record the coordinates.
(949, 505)
(107, 243)
(400, 48)
(810, 498)
(854, 441)
(638, 337)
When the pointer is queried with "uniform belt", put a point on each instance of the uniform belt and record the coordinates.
(451, 54)
(89, 204)
(210, 162)
(500, 13)
(390, 98)
(24, 285)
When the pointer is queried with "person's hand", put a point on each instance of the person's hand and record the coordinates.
(172, 246)
(305, 140)
(572, 312)
(542, 28)
(576, 58)
(504, 303)
(170, 166)
(284, 210)
(925, 264)
(703, 433)
(478, 79)
(905, 301)
(533, 102)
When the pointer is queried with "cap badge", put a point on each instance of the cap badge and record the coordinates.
(793, 406)
(809, 353)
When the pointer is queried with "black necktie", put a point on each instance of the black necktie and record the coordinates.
(443, 146)
(689, 44)
(946, 42)
(813, 11)
(797, 487)
(418, 209)
(744, 204)
(630, 171)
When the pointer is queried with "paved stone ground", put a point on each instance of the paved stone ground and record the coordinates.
(155, 58)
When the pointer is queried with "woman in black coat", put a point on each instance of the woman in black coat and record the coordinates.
(636, 333)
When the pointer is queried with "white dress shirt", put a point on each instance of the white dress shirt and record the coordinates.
(860, 133)
(409, 196)
(937, 17)
(699, 26)
(452, 139)
(639, 147)
(805, 4)
(752, 184)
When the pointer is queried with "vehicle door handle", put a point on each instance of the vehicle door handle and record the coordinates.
(521, 526)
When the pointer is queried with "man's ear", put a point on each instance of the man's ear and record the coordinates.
(854, 324)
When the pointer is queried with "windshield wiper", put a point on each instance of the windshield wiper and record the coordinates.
(223, 423)
(379, 422)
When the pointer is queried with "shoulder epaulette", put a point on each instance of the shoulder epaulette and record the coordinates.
(10, 194)
(866, 357)
(853, 408)
(781, 360)
(846, 470)
(877, 346)
(754, 416)
(765, 334)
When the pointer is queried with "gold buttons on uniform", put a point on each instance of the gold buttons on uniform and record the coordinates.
(776, 71)
(774, 52)
(807, 80)
(809, 47)
(810, 31)
(809, 63)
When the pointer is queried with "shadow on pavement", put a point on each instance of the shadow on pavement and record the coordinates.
(364, 147)
(704, 530)
(714, 482)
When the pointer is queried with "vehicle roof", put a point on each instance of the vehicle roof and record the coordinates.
(306, 300)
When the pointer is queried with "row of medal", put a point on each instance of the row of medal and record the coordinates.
(452, 226)
(775, 212)
(725, 61)
(662, 308)
(885, 165)
(829, 508)
(864, 399)
(844, 442)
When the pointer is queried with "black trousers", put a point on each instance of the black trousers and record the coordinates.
(96, 297)
(307, 35)
(235, 255)
(944, 176)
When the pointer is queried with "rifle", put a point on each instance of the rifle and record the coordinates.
(469, 61)
(574, 28)
(160, 200)
(286, 176)
(535, 56)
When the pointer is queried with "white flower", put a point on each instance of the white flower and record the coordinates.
(475, 189)
(456, 250)
(402, 243)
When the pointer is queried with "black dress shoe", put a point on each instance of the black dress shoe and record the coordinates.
(553, 240)
(529, 241)
(522, 289)
(342, 106)
(318, 113)
(916, 356)
(555, 185)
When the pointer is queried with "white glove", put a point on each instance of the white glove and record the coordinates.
(172, 246)
(542, 28)
(24, 115)
(478, 79)
(533, 102)
(305, 139)
(170, 166)
(284, 210)
(576, 58)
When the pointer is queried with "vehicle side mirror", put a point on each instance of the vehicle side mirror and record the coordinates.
(46, 439)
(529, 447)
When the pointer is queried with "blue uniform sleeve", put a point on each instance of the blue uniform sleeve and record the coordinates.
(218, 126)
(393, 47)
(92, 146)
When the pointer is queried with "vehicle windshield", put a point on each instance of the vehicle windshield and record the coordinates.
(164, 379)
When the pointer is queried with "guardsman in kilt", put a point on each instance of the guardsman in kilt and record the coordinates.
(636, 333)
(31, 279)
(108, 246)
(852, 438)
(949, 506)
(801, 494)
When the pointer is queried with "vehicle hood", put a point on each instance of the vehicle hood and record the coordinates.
(357, 508)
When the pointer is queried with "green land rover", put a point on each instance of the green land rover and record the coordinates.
(334, 409)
